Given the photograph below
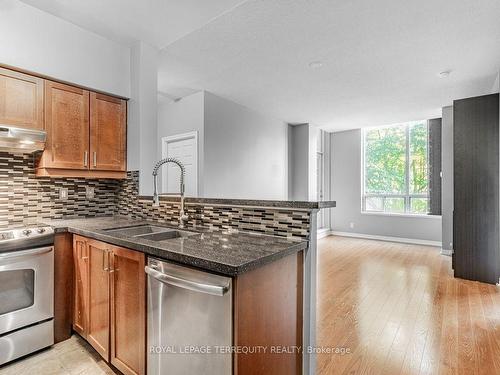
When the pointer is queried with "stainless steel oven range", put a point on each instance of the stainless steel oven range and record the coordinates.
(26, 291)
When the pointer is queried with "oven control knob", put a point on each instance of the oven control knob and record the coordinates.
(40, 230)
(27, 232)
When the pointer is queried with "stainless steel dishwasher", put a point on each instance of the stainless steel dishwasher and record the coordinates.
(189, 321)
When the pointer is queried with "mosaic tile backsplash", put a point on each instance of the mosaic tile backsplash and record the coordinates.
(272, 221)
(25, 198)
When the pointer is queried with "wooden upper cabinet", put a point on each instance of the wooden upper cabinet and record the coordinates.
(21, 100)
(67, 126)
(86, 131)
(108, 130)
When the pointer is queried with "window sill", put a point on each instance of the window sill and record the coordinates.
(413, 216)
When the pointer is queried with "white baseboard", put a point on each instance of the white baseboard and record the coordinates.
(386, 238)
(323, 232)
(446, 252)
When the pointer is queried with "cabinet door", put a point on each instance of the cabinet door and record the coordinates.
(98, 327)
(107, 132)
(80, 301)
(64, 281)
(268, 312)
(476, 219)
(21, 100)
(67, 125)
(128, 311)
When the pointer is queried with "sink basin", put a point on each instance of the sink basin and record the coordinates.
(166, 235)
(138, 230)
(150, 232)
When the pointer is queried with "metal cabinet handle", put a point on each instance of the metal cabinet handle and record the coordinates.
(86, 158)
(81, 254)
(94, 157)
(216, 290)
(105, 260)
(112, 261)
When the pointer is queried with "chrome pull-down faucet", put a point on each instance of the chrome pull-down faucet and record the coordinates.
(183, 217)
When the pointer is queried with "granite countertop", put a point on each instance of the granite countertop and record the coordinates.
(295, 205)
(223, 252)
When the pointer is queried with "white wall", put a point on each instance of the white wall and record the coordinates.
(142, 131)
(241, 153)
(302, 171)
(346, 190)
(298, 162)
(312, 161)
(245, 152)
(496, 84)
(182, 116)
(41, 43)
(447, 177)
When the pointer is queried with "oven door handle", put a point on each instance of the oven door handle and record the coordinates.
(22, 253)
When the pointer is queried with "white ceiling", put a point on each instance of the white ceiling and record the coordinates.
(157, 22)
(381, 59)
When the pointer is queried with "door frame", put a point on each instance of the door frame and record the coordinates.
(164, 152)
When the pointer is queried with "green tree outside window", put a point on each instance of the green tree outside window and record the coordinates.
(396, 168)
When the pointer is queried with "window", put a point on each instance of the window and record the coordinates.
(396, 169)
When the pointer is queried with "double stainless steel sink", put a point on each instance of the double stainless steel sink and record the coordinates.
(151, 232)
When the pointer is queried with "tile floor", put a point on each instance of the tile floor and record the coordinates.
(70, 357)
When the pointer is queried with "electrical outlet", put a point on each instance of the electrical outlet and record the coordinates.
(351, 225)
(63, 193)
(89, 192)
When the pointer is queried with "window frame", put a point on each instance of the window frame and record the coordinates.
(407, 196)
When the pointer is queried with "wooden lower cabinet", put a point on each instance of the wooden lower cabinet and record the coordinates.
(63, 286)
(99, 297)
(110, 309)
(81, 289)
(268, 313)
(128, 311)
(110, 302)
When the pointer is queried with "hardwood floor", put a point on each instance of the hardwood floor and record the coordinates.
(399, 310)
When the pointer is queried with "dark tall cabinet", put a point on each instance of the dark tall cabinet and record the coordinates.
(476, 241)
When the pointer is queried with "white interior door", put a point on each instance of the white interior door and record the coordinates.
(185, 148)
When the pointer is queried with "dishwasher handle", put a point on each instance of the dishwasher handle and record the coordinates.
(216, 290)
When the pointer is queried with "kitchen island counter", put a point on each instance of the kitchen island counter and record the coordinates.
(228, 253)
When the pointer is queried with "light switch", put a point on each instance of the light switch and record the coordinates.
(63, 193)
(89, 192)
